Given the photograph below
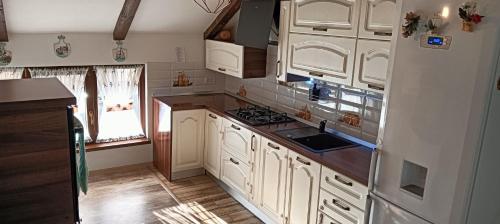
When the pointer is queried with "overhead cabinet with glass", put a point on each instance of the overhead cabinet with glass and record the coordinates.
(349, 47)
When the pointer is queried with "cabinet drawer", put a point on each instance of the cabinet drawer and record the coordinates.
(352, 192)
(235, 173)
(322, 57)
(325, 219)
(325, 17)
(224, 57)
(339, 209)
(237, 141)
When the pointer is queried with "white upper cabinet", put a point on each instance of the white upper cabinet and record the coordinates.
(322, 57)
(303, 180)
(187, 139)
(224, 57)
(372, 61)
(283, 41)
(325, 17)
(377, 19)
(237, 141)
(213, 135)
(272, 180)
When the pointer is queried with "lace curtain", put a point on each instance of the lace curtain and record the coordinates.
(74, 80)
(119, 105)
(11, 73)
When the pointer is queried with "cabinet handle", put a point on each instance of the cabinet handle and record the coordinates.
(341, 180)
(212, 116)
(376, 87)
(340, 205)
(273, 146)
(321, 218)
(386, 34)
(303, 161)
(322, 29)
(234, 161)
(221, 69)
(278, 70)
(235, 127)
(316, 74)
(251, 143)
(498, 84)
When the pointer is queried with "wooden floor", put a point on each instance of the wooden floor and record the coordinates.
(139, 194)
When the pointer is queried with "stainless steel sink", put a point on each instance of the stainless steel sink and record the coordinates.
(311, 139)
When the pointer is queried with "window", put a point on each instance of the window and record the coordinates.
(110, 100)
(11, 73)
(119, 109)
(74, 80)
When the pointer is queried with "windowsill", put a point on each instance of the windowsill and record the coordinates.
(91, 147)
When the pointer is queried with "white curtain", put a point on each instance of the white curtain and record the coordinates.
(74, 80)
(11, 73)
(119, 104)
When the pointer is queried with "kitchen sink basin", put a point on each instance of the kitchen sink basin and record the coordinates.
(311, 139)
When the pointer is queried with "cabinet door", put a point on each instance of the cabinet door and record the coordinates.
(237, 141)
(372, 62)
(377, 19)
(224, 57)
(283, 41)
(322, 57)
(325, 17)
(272, 180)
(254, 167)
(302, 189)
(187, 139)
(235, 173)
(213, 135)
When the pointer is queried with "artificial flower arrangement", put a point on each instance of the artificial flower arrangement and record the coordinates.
(410, 25)
(469, 14)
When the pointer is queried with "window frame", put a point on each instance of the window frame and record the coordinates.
(92, 108)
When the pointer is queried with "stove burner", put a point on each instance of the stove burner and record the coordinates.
(257, 115)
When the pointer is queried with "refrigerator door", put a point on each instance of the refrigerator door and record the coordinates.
(384, 212)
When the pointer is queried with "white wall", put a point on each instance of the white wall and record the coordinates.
(92, 49)
(95, 49)
(436, 103)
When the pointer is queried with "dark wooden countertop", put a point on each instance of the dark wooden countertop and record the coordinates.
(352, 162)
(33, 93)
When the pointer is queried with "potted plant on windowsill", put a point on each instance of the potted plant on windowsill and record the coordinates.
(469, 14)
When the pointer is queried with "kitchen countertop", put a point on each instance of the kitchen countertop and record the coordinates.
(352, 162)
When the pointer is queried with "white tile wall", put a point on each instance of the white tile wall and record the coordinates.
(292, 98)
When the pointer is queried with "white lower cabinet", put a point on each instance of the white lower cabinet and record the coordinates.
(339, 209)
(213, 135)
(325, 219)
(272, 180)
(235, 173)
(302, 190)
(188, 129)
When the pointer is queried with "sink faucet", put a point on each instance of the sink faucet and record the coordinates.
(322, 126)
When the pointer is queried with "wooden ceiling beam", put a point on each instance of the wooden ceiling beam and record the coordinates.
(3, 27)
(221, 20)
(125, 19)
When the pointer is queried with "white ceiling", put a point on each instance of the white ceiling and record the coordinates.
(99, 16)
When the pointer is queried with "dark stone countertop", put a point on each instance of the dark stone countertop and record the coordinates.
(352, 162)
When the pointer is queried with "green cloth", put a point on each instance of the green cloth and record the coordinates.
(82, 171)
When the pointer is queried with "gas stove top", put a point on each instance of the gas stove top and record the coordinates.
(256, 115)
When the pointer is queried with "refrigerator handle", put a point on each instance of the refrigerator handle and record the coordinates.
(373, 169)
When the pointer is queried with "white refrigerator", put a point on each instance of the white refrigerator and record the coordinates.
(431, 120)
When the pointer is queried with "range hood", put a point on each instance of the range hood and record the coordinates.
(255, 23)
